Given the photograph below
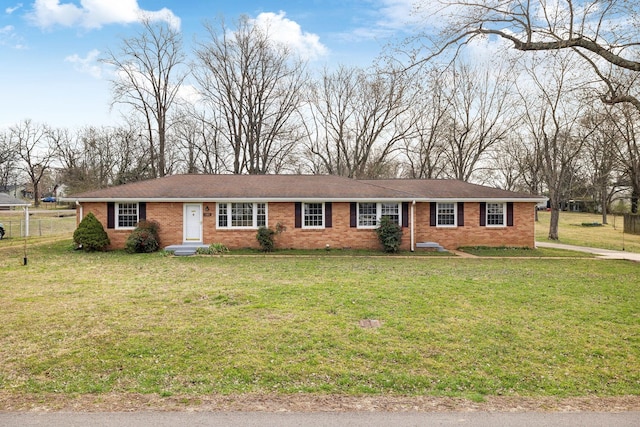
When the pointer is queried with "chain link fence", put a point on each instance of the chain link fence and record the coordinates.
(38, 227)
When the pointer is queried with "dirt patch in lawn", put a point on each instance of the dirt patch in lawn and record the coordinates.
(118, 402)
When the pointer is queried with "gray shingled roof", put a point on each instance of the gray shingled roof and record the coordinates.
(7, 200)
(446, 189)
(292, 188)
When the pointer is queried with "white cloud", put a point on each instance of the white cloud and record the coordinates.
(89, 64)
(283, 30)
(398, 14)
(8, 37)
(93, 14)
(9, 10)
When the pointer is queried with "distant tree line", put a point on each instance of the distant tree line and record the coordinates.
(242, 103)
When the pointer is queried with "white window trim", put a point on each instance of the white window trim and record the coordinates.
(313, 227)
(504, 215)
(116, 214)
(254, 221)
(455, 215)
(378, 214)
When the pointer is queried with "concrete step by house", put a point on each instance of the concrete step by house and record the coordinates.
(430, 245)
(186, 249)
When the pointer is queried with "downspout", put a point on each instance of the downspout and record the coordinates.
(413, 207)
(81, 211)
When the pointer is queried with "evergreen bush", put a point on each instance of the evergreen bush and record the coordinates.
(90, 235)
(389, 234)
(265, 237)
(144, 239)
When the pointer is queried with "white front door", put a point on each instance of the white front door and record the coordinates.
(192, 222)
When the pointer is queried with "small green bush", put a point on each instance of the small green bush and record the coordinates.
(389, 234)
(213, 249)
(90, 235)
(265, 237)
(144, 239)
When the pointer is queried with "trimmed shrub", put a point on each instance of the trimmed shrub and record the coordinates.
(265, 237)
(144, 239)
(390, 235)
(90, 235)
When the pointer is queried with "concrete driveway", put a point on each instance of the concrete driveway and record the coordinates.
(601, 253)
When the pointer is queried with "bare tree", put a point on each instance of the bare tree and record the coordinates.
(600, 157)
(148, 78)
(479, 117)
(551, 116)
(8, 166)
(359, 120)
(253, 87)
(627, 123)
(602, 33)
(35, 150)
(425, 151)
(198, 142)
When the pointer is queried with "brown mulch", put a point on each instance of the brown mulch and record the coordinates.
(119, 402)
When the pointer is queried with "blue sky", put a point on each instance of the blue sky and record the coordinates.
(49, 49)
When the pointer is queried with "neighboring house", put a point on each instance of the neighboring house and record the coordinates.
(315, 210)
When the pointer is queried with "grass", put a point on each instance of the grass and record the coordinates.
(485, 251)
(78, 323)
(572, 231)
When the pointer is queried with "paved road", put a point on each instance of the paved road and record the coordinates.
(602, 253)
(317, 419)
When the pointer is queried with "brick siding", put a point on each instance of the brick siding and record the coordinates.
(340, 235)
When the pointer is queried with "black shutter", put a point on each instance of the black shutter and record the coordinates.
(460, 214)
(483, 214)
(111, 215)
(510, 214)
(432, 214)
(298, 215)
(405, 214)
(142, 211)
(353, 215)
(328, 220)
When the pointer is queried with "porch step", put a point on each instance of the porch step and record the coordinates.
(185, 249)
(430, 245)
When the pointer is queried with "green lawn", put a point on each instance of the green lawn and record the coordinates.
(572, 231)
(77, 323)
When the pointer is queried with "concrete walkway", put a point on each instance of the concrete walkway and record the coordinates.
(601, 253)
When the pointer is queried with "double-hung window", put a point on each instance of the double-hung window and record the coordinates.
(391, 211)
(496, 214)
(242, 215)
(313, 215)
(446, 215)
(369, 213)
(126, 215)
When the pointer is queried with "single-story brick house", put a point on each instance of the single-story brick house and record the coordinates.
(315, 210)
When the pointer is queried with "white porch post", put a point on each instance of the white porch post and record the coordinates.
(26, 221)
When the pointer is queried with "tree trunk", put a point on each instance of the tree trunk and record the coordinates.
(553, 223)
(604, 204)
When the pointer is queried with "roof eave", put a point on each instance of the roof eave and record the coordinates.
(301, 199)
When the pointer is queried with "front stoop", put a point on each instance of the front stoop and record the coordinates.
(430, 245)
(185, 249)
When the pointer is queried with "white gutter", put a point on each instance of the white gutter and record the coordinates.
(79, 205)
